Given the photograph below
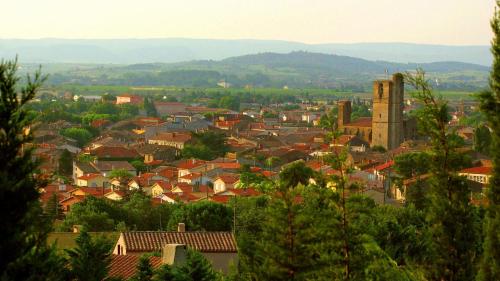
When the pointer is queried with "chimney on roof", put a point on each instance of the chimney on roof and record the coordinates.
(173, 254)
(181, 227)
(77, 228)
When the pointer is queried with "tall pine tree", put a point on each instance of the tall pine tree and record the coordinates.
(23, 230)
(449, 213)
(90, 260)
(490, 105)
(144, 270)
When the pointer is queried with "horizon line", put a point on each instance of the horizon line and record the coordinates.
(243, 39)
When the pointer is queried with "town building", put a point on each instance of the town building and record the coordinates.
(386, 127)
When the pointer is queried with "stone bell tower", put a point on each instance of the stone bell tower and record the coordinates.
(387, 122)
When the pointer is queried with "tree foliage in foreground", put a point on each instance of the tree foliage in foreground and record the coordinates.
(450, 215)
(490, 106)
(24, 254)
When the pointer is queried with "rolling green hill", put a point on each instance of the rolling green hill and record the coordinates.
(296, 69)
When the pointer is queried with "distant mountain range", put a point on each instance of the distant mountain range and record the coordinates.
(295, 69)
(171, 50)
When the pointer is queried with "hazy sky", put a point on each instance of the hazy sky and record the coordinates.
(311, 21)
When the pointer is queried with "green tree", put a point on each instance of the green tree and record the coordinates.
(272, 161)
(24, 232)
(167, 273)
(53, 209)
(91, 258)
(490, 106)
(150, 108)
(296, 173)
(96, 214)
(65, 163)
(202, 216)
(81, 135)
(144, 270)
(139, 165)
(482, 140)
(121, 174)
(206, 146)
(449, 215)
(413, 165)
(297, 239)
(197, 268)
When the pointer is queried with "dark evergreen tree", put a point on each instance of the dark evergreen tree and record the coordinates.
(65, 163)
(91, 258)
(144, 270)
(168, 273)
(150, 108)
(23, 231)
(450, 215)
(298, 240)
(490, 105)
(196, 268)
(53, 209)
(295, 173)
(482, 140)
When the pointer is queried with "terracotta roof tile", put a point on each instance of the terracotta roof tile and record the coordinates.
(360, 122)
(114, 152)
(478, 170)
(208, 242)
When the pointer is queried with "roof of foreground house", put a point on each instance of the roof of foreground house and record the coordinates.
(208, 242)
(125, 266)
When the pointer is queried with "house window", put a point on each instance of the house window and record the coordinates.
(119, 250)
(380, 90)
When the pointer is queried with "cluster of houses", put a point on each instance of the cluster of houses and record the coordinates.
(254, 139)
(261, 139)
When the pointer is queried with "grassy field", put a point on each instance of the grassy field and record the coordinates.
(316, 93)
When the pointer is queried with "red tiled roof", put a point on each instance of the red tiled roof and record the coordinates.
(163, 184)
(166, 103)
(223, 199)
(168, 172)
(152, 241)
(230, 179)
(228, 165)
(125, 266)
(190, 163)
(226, 123)
(184, 186)
(145, 121)
(268, 173)
(360, 122)
(343, 139)
(154, 163)
(478, 170)
(89, 177)
(99, 123)
(255, 169)
(191, 176)
(384, 166)
(181, 196)
(173, 137)
(315, 165)
(245, 192)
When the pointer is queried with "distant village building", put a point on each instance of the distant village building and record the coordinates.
(87, 98)
(169, 108)
(478, 174)
(127, 98)
(177, 140)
